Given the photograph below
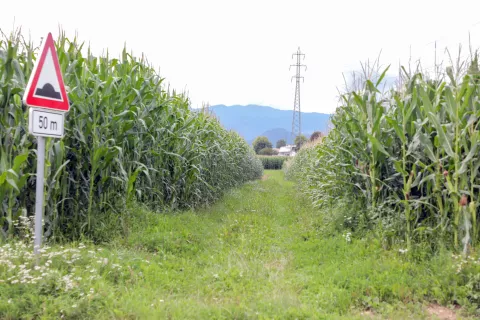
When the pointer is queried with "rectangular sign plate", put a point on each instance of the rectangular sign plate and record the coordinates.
(46, 123)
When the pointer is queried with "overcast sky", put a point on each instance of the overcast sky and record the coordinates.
(239, 52)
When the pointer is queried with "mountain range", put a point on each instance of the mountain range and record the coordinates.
(251, 121)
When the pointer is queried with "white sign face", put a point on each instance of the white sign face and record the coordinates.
(46, 123)
(48, 86)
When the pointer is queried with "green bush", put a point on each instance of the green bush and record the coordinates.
(267, 152)
(260, 143)
(272, 162)
(128, 139)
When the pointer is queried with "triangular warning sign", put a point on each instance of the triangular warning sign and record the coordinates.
(45, 88)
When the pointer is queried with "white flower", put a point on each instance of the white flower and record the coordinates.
(347, 236)
(74, 306)
(402, 251)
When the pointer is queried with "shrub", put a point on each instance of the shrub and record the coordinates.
(316, 135)
(272, 162)
(267, 152)
(300, 140)
(281, 143)
(261, 143)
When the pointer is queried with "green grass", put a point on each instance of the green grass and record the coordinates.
(259, 253)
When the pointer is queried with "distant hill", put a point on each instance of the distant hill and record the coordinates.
(252, 121)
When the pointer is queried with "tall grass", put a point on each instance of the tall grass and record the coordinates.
(410, 156)
(128, 139)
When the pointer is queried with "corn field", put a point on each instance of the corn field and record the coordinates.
(127, 140)
(409, 156)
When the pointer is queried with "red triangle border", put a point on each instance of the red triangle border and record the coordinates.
(34, 101)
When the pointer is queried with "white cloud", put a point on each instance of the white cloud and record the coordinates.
(238, 52)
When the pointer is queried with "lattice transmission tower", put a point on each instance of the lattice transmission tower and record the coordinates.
(297, 120)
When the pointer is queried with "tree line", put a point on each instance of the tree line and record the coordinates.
(263, 146)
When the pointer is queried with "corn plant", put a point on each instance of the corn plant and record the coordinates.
(411, 153)
(128, 139)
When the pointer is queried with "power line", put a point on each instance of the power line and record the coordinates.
(297, 121)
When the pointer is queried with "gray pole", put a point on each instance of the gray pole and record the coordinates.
(39, 194)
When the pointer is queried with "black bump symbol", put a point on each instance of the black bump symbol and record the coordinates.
(48, 91)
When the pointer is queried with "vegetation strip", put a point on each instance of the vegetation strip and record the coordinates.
(262, 252)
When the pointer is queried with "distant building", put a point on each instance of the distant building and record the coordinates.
(288, 150)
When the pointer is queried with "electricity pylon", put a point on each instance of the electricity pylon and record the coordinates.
(297, 121)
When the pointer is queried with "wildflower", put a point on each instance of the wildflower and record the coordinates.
(402, 251)
(347, 237)
(74, 306)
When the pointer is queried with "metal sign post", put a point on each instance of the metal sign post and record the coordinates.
(47, 96)
(39, 194)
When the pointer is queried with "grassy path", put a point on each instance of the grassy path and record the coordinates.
(260, 253)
